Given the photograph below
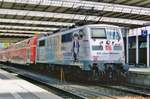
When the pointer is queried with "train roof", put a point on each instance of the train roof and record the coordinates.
(103, 25)
(75, 28)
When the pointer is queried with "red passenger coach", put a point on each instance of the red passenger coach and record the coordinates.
(32, 49)
(23, 52)
(4, 55)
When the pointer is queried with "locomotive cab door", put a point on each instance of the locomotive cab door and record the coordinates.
(41, 51)
(114, 45)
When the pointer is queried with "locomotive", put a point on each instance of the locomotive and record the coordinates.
(95, 52)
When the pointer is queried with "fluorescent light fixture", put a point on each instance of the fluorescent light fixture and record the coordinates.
(36, 22)
(20, 31)
(13, 34)
(27, 27)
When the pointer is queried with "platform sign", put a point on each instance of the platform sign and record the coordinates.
(144, 33)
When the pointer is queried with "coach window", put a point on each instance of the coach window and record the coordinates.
(67, 37)
(41, 43)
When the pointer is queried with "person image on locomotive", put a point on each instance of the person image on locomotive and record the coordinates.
(108, 46)
(75, 47)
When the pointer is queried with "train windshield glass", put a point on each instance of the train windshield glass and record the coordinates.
(98, 33)
(113, 34)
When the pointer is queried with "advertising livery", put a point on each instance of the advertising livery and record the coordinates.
(97, 51)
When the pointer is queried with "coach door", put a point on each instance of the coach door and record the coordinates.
(28, 56)
(28, 51)
(41, 51)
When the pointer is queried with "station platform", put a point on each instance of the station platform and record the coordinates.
(140, 70)
(139, 76)
(12, 87)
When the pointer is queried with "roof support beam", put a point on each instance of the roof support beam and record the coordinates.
(87, 5)
(69, 16)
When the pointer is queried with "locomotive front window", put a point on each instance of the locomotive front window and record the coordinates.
(98, 33)
(113, 34)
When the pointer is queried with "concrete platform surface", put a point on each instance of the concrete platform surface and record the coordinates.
(12, 87)
(139, 76)
(140, 70)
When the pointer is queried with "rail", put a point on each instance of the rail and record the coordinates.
(84, 91)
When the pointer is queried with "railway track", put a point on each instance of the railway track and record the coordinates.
(140, 90)
(80, 91)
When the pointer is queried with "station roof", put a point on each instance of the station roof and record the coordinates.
(44, 16)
